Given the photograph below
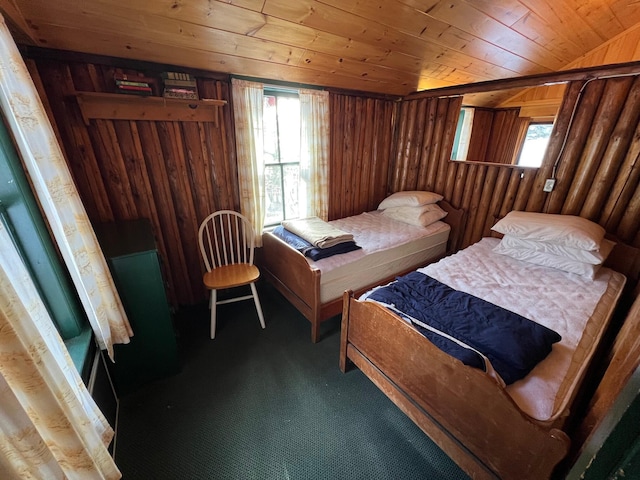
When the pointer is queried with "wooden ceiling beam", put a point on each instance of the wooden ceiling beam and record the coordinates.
(629, 68)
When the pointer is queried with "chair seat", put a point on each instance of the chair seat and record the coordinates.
(230, 276)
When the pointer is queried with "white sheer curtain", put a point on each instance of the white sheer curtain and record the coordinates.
(314, 150)
(50, 427)
(247, 111)
(314, 155)
(58, 197)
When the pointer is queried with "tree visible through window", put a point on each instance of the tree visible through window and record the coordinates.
(281, 123)
(535, 144)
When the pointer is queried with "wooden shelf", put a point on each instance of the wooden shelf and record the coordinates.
(120, 106)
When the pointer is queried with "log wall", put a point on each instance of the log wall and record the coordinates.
(597, 173)
(173, 173)
(361, 140)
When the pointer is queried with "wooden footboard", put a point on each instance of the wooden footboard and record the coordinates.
(288, 270)
(461, 409)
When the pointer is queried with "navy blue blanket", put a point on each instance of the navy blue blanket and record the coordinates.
(307, 249)
(512, 343)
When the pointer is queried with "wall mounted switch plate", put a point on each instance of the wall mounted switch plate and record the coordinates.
(549, 184)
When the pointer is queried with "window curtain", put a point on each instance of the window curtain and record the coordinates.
(50, 427)
(314, 146)
(58, 197)
(247, 111)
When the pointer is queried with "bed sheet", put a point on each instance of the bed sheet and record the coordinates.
(576, 307)
(388, 247)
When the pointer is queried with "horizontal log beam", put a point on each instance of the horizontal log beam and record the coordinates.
(630, 68)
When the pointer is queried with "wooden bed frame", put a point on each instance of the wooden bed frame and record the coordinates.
(289, 271)
(473, 419)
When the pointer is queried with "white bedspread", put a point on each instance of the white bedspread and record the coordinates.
(375, 233)
(388, 247)
(561, 301)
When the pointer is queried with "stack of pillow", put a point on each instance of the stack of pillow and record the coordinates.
(566, 242)
(413, 207)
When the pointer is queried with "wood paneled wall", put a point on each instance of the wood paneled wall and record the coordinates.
(597, 174)
(173, 173)
(361, 136)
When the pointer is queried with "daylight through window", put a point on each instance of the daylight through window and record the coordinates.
(535, 144)
(281, 123)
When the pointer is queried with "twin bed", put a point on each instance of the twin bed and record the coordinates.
(389, 248)
(490, 429)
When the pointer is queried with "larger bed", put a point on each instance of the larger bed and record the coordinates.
(390, 248)
(490, 430)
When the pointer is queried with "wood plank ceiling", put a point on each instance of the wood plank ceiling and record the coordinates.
(387, 46)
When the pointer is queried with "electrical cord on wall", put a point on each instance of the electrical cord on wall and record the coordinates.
(573, 113)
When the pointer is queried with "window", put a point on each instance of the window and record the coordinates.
(463, 134)
(534, 144)
(281, 127)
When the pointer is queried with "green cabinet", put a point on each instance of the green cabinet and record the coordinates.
(131, 253)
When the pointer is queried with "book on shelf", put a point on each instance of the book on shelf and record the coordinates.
(125, 83)
(179, 85)
(135, 90)
(131, 84)
(177, 76)
(180, 93)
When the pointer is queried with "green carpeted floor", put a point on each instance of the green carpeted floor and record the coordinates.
(268, 404)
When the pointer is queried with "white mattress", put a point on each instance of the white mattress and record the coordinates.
(574, 306)
(388, 247)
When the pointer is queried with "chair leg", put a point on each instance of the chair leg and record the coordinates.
(258, 307)
(212, 303)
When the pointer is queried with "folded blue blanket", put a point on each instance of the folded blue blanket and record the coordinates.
(512, 343)
(307, 249)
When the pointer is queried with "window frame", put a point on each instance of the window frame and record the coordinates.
(285, 93)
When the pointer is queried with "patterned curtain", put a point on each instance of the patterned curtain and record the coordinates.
(314, 146)
(50, 426)
(58, 197)
(247, 111)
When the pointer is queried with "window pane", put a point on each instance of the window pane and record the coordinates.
(270, 130)
(291, 194)
(535, 144)
(289, 128)
(273, 195)
(281, 125)
(463, 134)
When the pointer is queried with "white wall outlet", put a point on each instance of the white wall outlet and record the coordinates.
(549, 183)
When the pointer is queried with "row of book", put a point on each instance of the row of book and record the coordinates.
(132, 84)
(176, 85)
(179, 85)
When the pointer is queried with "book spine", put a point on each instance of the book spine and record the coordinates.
(131, 84)
(182, 83)
(134, 87)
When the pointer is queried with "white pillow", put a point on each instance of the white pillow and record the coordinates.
(567, 230)
(595, 257)
(549, 260)
(409, 199)
(421, 216)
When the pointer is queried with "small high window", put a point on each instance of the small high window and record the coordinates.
(534, 144)
(463, 134)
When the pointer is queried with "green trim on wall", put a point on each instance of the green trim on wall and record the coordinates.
(21, 215)
(613, 447)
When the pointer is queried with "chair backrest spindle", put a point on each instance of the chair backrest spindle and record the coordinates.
(226, 237)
